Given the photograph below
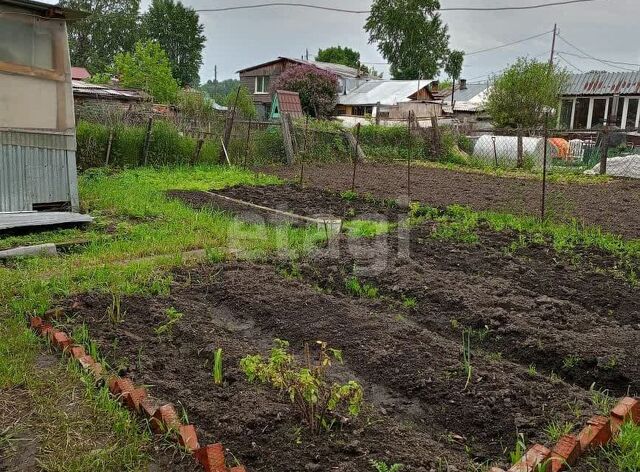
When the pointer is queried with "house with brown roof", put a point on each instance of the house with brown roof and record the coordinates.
(259, 78)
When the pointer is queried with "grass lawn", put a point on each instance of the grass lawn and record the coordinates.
(139, 235)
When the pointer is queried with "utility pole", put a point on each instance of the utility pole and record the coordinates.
(553, 44)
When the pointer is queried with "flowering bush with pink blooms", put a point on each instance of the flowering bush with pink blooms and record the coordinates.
(318, 89)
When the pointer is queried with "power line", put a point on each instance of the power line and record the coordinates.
(589, 56)
(607, 61)
(502, 70)
(569, 63)
(366, 12)
(507, 44)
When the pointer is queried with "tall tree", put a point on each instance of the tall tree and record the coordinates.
(111, 28)
(410, 35)
(147, 68)
(453, 67)
(339, 55)
(178, 30)
(218, 90)
(520, 95)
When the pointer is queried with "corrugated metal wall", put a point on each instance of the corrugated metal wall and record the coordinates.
(34, 168)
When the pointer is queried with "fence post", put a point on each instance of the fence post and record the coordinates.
(109, 144)
(196, 154)
(544, 166)
(409, 149)
(378, 113)
(228, 128)
(604, 149)
(436, 137)
(304, 151)
(520, 157)
(286, 136)
(355, 158)
(147, 141)
(246, 149)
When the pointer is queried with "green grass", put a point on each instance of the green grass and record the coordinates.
(366, 228)
(139, 236)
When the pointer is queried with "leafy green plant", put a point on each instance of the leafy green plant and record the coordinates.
(409, 302)
(381, 466)
(317, 400)
(217, 367)
(531, 370)
(355, 287)
(556, 429)
(173, 316)
(348, 195)
(570, 361)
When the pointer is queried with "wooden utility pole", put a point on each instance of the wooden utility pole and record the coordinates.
(553, 45)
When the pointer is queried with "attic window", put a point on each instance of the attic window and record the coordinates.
(262, 84)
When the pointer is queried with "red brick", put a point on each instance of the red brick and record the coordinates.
(627, 409)
(596, 433)
(120, 386)
(565, 453)
(77, 351)
(60, 339)
(86, 361)
(535, 457)
(133, 398)
(165, 418)
(188, 438)
(240, 468)
(148, 408)
(211, 457)
(36, 323)
(45, 329)
(96, 370)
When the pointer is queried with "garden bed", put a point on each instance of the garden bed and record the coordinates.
(542, 332)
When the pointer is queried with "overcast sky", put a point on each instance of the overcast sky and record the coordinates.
(606, 29)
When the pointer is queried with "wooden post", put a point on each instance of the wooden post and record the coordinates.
(196, 154)
(147, 142)
(109, 144)
(304, 151)
(378, 113)
(604, 149)
(355, 158)
(228, 128)
(409, 146)
(435, 131)
(292, 130)
(520, 157)
(495, 150)
(288, 143)
(544, 166)
(246, 149)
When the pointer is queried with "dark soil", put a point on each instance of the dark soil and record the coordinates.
(307, 201)
(612, 206)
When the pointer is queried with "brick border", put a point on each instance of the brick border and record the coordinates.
(162, 420)
(599, 431)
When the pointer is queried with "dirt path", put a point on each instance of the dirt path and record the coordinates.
(614, 206)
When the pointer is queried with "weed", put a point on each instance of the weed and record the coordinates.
(354, 287)
(556, 429)
(217, 367)
(494, 356)
(570, 362)
(114, 311)
(455, 324)
(601, 399)
(317, 400)
(381, 466)
(366, 228)
(519, 450)
(173, 316)
(466, 355)
(576, 408)
(348, 195)
(409, 302)
(532, 371)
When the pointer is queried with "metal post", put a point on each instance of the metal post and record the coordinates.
(355, 158)
(409, 158)
(544, 166)
(109, 144)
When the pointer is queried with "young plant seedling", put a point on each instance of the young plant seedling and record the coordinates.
(217, 367)
(173, 316)
(114, 311)
(381, 466)
(319, 401)
(466, 355)
(518, 452)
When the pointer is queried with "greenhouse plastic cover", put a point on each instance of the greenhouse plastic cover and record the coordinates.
(622, 166)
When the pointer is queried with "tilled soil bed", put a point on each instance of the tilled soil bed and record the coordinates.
(612, 206)
(543, 332)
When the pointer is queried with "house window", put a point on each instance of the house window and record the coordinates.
(262, 84)
(26, 43)
(598, 116)
(632, 113)
(581, 113)
(565, 113)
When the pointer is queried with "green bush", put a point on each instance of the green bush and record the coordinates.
(167, 146)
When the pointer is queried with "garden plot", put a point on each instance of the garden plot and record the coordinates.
(536, 338)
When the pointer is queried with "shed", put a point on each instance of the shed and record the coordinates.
(37, 126)
(286, 102)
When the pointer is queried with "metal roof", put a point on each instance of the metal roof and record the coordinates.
(604, 83)
(81, 88)
(466, 94)
(47, 9)
(387, 92)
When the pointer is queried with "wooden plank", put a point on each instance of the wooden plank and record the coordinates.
(42, 218)
(31, 71)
